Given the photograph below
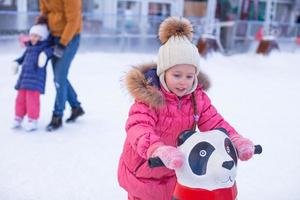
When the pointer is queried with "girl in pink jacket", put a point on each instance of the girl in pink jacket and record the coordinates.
(169, 99)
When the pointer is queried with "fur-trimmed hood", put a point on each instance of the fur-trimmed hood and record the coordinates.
(143, 89)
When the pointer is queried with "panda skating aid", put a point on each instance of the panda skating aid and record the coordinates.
(210, 166)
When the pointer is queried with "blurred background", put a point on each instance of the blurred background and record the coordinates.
(131, 25)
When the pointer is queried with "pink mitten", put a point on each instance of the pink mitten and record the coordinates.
(170, 156)
(23, 39)
(244, 147)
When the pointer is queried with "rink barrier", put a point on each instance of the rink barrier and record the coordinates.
(231, 36)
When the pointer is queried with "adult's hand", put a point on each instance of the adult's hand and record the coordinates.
(59, 50)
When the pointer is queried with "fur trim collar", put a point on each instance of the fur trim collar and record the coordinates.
(142, 90)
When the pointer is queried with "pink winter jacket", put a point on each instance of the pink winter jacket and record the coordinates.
(159, 116)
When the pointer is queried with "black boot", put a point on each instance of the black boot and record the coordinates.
(76, 112)
(56, 122)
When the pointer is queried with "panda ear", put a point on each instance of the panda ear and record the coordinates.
(223, 130)
(184, 136)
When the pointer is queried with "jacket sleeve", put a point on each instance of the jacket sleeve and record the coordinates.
(43, 8)
(210, 118)
(49, 52)
(140, 128)
(72, 10)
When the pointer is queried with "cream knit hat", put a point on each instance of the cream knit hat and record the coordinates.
(40, 30)
(175, 33)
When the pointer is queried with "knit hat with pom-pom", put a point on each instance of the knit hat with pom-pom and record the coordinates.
(175, 34)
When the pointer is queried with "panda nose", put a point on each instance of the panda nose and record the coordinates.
(228, 164)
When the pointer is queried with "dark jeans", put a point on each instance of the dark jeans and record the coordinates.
(61, 66)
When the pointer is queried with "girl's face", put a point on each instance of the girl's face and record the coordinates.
(180, 79)
(34, 38)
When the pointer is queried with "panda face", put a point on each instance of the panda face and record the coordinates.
(211, 161)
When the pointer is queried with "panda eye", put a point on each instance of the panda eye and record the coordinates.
(199, 157)
(202, 153)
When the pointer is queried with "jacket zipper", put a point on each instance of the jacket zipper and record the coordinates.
(179, 104)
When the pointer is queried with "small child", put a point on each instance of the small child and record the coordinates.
(169, 99)
(31, 81)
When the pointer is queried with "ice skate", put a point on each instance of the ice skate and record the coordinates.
(17, 123)
(31, 125)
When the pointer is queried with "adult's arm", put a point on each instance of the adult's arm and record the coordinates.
(72, 11)
(43, 8)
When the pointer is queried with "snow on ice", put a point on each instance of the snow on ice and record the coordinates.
(258, 95)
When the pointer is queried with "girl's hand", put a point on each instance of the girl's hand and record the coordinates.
(245, 147)
(170, 156)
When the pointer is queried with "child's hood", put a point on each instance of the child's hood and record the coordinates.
(143, 89)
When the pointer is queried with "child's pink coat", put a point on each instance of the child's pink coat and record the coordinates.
(159, 116)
